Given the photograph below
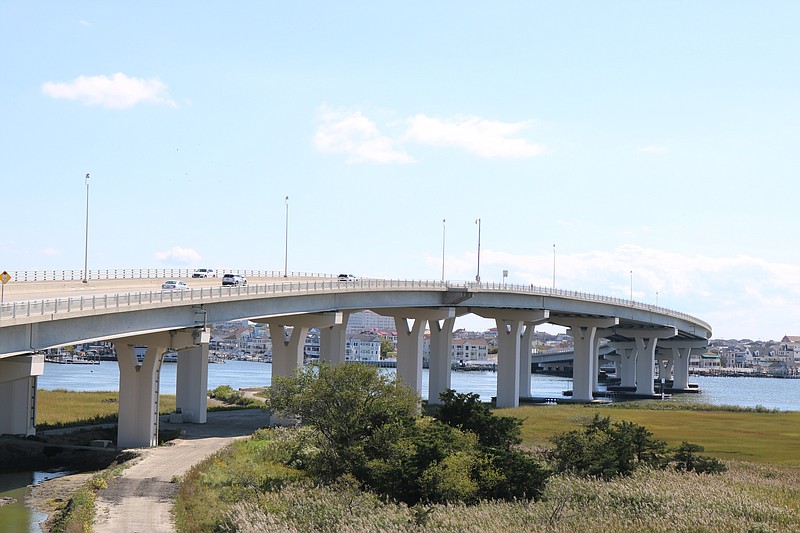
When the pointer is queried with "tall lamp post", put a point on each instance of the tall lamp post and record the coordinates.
(554, 267)
(631, 286)
(478, 275)
(86, 236)
(286, 246)
(443, 236)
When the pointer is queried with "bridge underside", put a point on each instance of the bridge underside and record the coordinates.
(642, 337)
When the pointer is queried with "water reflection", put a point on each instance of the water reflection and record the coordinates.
(16, 517)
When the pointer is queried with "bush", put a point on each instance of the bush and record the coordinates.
(366, 427)
(466, 412)
(607, 450)
(686, 459)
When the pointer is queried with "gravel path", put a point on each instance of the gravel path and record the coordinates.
(140, 500)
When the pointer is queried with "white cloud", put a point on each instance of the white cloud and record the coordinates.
(485, 138)
(177, 254)
(355, 135)
(116, 92)
(652, 149)
(84, 23)
(49, 251)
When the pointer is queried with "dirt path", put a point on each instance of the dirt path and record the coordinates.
(140, 500)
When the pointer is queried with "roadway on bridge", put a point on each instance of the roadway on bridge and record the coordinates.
(36, 290)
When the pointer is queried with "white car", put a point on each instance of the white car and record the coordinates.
(233, 279)
(347, 277)
(205, 273)
(173, 284)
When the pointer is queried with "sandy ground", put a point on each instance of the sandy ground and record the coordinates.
(141, 499)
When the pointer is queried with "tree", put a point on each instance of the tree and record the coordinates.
(387, 348)
(345, 405)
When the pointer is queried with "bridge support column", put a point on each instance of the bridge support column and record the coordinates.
(584, 361)
(680, 380)
(525, 358)
(627, 363)
(409, 352)
(681, 352)
(409, 340)
(509, 338)
(440, 365)
(333, 340)
(646, 341)
(18, 393)
(191, 384)
(139, 384)
(287, 354)
(525, 361)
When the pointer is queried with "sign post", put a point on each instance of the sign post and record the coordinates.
(5, 277)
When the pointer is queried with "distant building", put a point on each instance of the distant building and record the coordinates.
(369, 321)
(360, 347)
(469, 350)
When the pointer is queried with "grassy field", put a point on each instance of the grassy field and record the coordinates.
(58, 408)
(760, 437)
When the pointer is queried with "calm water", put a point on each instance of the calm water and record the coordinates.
(783, 394)
(16, 517)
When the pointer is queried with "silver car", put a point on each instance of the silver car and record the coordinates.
(174, 284)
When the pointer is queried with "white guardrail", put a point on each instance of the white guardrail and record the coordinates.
(141, 273)
(198, 295)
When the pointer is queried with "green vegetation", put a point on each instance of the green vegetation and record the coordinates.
(608, 450)
(77, 514)
(381, 444)
(763, 437)
(226, 394)
(261, 485)
(62, 408)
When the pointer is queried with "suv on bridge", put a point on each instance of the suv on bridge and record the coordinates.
(205, 273)
(233, 279)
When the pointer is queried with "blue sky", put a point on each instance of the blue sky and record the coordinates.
(652, 138)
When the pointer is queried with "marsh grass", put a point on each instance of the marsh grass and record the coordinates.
(243, 488)
(763, 437)
(746, 498)
(63, 408)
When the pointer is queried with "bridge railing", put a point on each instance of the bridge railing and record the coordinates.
(130, 299)
(142, 273)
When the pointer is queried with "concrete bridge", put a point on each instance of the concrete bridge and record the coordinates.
(132, 311)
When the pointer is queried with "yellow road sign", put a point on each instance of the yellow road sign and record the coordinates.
(5, 277)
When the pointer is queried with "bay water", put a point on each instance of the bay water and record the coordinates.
(772, 393)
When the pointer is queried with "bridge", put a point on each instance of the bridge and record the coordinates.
(127, 308)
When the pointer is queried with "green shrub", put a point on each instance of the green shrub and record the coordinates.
(466, 412)
(606, 449)
(686, 459)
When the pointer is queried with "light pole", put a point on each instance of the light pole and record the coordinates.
(656, 298)
(631, 286)
(286, 246)
(554, 267)
(478, 275)
(443, 237)
(86, 236)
